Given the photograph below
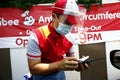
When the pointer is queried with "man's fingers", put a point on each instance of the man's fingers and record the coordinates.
(71, 62)
(86, 66)
(71, 67)
(71, 59)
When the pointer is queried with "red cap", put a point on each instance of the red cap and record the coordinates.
(69, 8)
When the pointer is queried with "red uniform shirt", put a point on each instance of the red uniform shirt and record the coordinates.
(52, 45)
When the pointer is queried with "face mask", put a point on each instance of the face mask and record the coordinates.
(63, 29)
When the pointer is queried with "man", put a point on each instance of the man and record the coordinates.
(49, 44)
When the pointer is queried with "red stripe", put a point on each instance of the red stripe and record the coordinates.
(33, 56)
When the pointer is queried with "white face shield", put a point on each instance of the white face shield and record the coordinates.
(76, 19)
(73, 16)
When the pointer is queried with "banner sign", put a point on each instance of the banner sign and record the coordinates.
(100, 24)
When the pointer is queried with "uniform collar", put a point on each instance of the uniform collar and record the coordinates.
(53, 31)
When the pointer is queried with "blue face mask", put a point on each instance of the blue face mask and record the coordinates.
(63, 29)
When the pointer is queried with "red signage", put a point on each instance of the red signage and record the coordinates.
(100, 24)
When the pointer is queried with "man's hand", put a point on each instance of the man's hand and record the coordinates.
(68, 63)
(82, 64)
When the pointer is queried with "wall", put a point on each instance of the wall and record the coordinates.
(18, 63)
(113, 73)
(5, 64)
(97, 69)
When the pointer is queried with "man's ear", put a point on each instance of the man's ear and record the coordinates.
(53, 16)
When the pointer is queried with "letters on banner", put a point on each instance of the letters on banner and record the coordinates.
(100, 24)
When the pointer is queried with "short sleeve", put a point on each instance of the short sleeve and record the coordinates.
(33, 49)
